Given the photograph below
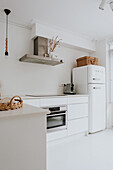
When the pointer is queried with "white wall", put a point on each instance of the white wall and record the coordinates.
(111, 83)
(25, 78)
(19, 41)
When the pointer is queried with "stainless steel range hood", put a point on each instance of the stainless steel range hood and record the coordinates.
(40, 49)
(40, 60)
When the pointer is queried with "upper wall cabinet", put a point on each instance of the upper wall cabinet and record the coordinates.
(68, 39)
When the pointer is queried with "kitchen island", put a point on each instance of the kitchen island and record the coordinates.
(23, 139)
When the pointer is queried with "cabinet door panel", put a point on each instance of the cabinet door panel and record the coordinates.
(74, 100)
(77, 111)
(53, 102)
(77, 126)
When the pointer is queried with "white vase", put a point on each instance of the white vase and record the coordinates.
(51, 55)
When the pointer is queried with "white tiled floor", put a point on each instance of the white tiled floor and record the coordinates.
(94, 152)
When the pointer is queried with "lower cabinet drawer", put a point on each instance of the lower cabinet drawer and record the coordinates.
(75, 100)
(77, 111)
(77, 126)
(56, 135)
(53, 102)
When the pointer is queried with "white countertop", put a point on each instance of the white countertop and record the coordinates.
(24, 111)
(54, 96)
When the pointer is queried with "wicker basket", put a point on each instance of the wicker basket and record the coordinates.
(13, 103)
(87, 60)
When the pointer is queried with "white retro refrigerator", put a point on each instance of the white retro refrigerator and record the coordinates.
(91, 80)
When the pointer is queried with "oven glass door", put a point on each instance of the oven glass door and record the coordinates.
(56, 121)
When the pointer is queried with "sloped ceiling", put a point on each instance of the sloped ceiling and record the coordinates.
(82, 16)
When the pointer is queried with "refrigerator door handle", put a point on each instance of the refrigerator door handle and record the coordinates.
(96, 79)
(96, 88)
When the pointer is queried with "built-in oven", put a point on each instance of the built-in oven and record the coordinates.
(57, 118)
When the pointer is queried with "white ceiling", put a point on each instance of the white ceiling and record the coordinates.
(82, 16)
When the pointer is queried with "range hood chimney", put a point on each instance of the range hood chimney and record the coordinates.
(40, 46)
(40, 51)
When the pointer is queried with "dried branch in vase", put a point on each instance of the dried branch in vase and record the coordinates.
(53, 43)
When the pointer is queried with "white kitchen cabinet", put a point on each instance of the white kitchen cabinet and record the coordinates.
(77, 111)
(56, 135)
(77, 126)
(53, 101)
(73, 100)
(77, 115)
(23, 139)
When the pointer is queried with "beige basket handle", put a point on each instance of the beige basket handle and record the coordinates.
(11, 101)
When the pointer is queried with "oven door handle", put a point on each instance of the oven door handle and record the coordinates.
(53, 115)
(57, 112)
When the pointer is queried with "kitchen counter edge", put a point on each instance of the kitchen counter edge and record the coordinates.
(24, 111)
(55, 96)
